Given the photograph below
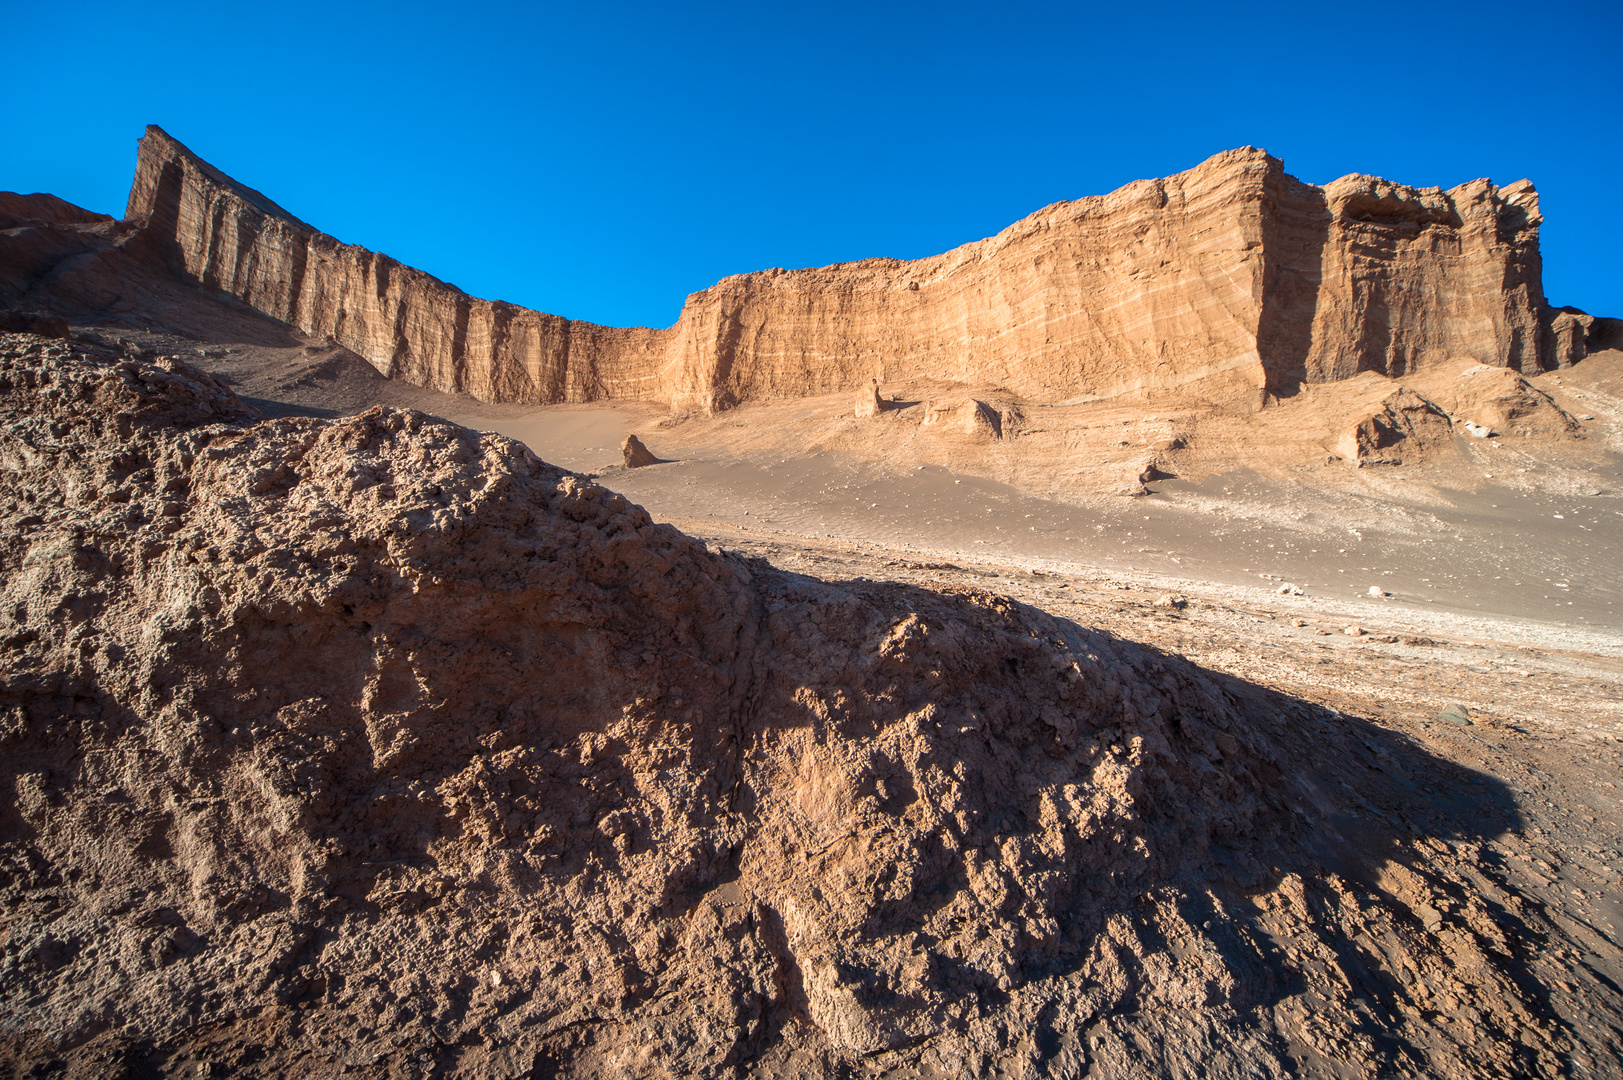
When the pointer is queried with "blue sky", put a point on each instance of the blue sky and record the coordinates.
(602, 161)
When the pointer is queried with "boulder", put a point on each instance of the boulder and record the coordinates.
(1152, 471)
(637, 455)
(868, 402)
(1403, 424)
(967, 416)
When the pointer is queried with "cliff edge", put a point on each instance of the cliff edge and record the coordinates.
(1232, 281)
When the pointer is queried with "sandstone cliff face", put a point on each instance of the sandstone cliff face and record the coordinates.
(1230, 281)
(408, 324)
(1366, 275)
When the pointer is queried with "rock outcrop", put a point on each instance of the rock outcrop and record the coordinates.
(408, 324)
(970, 416)
(636, 455)
(1571, 335)
(1403, 422)
(376, 746)
(40, 209)
(868, 402)
(1231, 281)
(1502, 401)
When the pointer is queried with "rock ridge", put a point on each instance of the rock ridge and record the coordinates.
(1231, 281)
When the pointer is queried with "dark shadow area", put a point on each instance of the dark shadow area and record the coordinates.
(272, 409)
(1283, 791)
(1296, 228)
(1358, 796)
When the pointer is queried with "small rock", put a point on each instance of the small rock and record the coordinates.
(1477, 430)
(1298, 622)
(1353, 631)
(1177, 603)
(1322, 633)
(1376, 590)
(637, 455)
(1288, 589)
(869, 403)
(1456, 714)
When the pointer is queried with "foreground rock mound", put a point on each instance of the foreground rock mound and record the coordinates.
(379, 745)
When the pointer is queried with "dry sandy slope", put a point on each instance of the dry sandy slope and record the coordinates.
(1519, 525)
(373, 744)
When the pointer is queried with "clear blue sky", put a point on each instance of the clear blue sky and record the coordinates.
(601, 161)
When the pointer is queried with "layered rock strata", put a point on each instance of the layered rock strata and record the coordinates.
(378, 747)
(1230, 281)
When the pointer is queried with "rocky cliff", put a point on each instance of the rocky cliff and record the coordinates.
(410, 325)
(1230, 281)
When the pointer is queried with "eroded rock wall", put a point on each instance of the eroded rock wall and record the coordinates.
(1410, 277)
(1229, 281)
(1151, 287)
(408, 324)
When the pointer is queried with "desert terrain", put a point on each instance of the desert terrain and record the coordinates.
(1200, 729)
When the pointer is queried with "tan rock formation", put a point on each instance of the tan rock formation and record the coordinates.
(1403, 423)
(1500, 400)
(635, 454)
(1571, 335)
(1231, 280)
(408, 324)
(869, 402)
(971, 417)
(982, 419)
